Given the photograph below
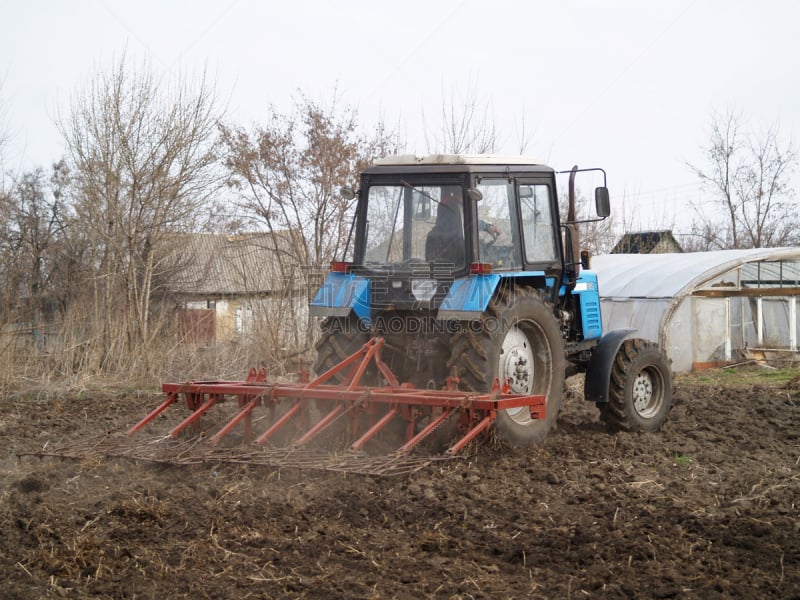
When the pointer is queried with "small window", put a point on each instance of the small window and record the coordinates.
(498, 242)
(537, 223)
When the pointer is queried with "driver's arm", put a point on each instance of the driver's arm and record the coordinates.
(489, 228)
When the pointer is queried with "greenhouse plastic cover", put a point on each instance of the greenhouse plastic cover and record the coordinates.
(642, 291)
(671, 276)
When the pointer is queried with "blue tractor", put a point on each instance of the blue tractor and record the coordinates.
(465, 269)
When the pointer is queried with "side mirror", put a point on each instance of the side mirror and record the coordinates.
(601, 202)
(347, 193)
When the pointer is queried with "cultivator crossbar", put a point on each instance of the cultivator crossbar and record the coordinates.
(367, 410)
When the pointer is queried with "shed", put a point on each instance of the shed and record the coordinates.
(647, 242)
(705, 308)
(227, 284)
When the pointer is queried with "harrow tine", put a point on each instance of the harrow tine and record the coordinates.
(372, 431)
(283, 420)
(171, 397)
(339, 410)
(409, 445)
(192, 418)
(244, 413)
(484, 424)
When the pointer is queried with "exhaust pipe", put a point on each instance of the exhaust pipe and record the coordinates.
(572, 226)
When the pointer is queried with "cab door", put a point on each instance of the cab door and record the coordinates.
(497, 227)
(538, 222)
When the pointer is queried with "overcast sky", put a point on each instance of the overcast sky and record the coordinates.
(629, 86)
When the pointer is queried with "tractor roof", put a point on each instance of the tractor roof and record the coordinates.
(456, 159)
(456, 163)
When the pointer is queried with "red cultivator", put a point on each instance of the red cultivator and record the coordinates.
(367, 412)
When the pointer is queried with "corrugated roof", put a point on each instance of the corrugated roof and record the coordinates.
(212, 264)
(644, 242)
(670, 275)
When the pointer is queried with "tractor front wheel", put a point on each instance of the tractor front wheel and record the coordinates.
(640, 390)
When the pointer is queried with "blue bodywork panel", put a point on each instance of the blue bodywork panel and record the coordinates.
(468, 297)
(589, 299)
(341, 293)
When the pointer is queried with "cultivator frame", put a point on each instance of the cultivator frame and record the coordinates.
(381, 404)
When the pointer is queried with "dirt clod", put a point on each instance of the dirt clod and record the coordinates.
(707, 508)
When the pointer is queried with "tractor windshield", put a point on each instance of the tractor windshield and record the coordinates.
(411, 225)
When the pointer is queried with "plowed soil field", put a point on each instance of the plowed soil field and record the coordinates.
(707, 508)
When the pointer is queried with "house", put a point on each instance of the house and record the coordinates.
(647, 242)
(233, 285)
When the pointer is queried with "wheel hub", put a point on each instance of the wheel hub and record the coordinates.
(516, 368)
(516, 362)
(643, 393)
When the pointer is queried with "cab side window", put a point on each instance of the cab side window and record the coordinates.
(498, 241)
(537, 222)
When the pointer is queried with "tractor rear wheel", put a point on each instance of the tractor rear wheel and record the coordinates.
(640, 390)
(518, 340)
(341, 337)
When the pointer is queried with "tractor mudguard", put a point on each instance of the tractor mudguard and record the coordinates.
(468, 297)
(598, 372)
(340, 294)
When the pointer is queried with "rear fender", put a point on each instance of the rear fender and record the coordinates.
(341, 294)
(468, 297)
(598, 371)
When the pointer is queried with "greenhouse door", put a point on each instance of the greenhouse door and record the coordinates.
(711, 329)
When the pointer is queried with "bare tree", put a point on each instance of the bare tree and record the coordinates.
(466, 125)
(4, 139)
(288, 174)
(749, 176)
(143, 156)
(34, 219)
(36, 269)
(595, 236)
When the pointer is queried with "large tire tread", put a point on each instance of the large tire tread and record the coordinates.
(474, 357)
(633, 357)
(340, 338)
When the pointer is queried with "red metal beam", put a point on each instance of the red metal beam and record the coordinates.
(373, 431)
(338, 410)
(171, 397)
(426, 431)
(388, 395)
(483, 425)
(246, 412)
(283, 420)
(192, 418)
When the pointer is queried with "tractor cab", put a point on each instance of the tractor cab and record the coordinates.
(424, 222)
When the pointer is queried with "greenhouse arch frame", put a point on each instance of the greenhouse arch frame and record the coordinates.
(705, 308)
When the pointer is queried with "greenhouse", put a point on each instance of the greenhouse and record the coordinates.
(705, 308)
